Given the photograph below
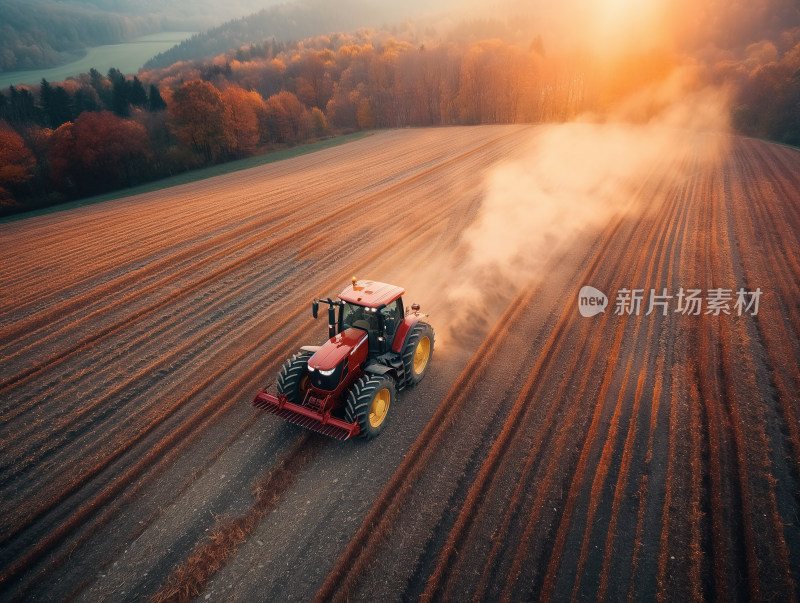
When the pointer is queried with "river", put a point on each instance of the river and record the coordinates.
(128, 58)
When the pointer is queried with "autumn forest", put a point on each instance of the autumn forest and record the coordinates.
(101, 132)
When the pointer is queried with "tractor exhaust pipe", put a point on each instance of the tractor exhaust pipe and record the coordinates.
(331, 321)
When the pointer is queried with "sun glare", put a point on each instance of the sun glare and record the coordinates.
(622, 24)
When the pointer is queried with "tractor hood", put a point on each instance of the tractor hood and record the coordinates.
(337, 349)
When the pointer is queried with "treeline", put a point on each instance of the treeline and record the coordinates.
(100, 132)
(767, 100)
(97, 133)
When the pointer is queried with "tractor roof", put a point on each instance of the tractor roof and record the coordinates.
(371, 294)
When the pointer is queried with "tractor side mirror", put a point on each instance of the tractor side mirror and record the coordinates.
(314, 308)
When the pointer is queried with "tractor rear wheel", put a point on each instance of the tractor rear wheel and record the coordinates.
(417, 352)
(368, 403)
(293, 380)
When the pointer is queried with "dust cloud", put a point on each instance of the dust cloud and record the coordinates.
(650, 67)
(565, 184)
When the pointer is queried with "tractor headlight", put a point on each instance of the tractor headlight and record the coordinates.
(328, 380)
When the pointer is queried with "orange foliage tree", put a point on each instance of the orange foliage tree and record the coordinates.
(319, 122)
(314, 84)
(198, 116)
(243, 112)
(98, 152)
(343, 107)
(17, 163)
(286, 119)
(364, 114)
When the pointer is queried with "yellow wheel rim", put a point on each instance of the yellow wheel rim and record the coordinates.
(305, 382)
(379, 407)
(421, 355)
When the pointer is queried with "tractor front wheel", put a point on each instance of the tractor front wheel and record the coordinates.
(417, 352)
(368, 403)
(293, 380)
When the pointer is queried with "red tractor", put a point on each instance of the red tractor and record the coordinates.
(345, 387)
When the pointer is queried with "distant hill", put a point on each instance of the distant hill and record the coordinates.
(37, 33)
(296, 21)
(45, 33)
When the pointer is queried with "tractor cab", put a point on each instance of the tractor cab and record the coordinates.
(376, 308)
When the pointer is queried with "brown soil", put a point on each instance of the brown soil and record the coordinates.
(547, 455)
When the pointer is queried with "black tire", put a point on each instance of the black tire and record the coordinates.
(293, 380)
(368, 402)
(418, 352)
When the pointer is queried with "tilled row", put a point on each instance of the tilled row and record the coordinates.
(84, 497)
(639, 457)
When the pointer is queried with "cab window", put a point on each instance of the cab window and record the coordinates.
(392, 317)
(358, 316)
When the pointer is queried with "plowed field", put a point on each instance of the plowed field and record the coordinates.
(631, 455)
